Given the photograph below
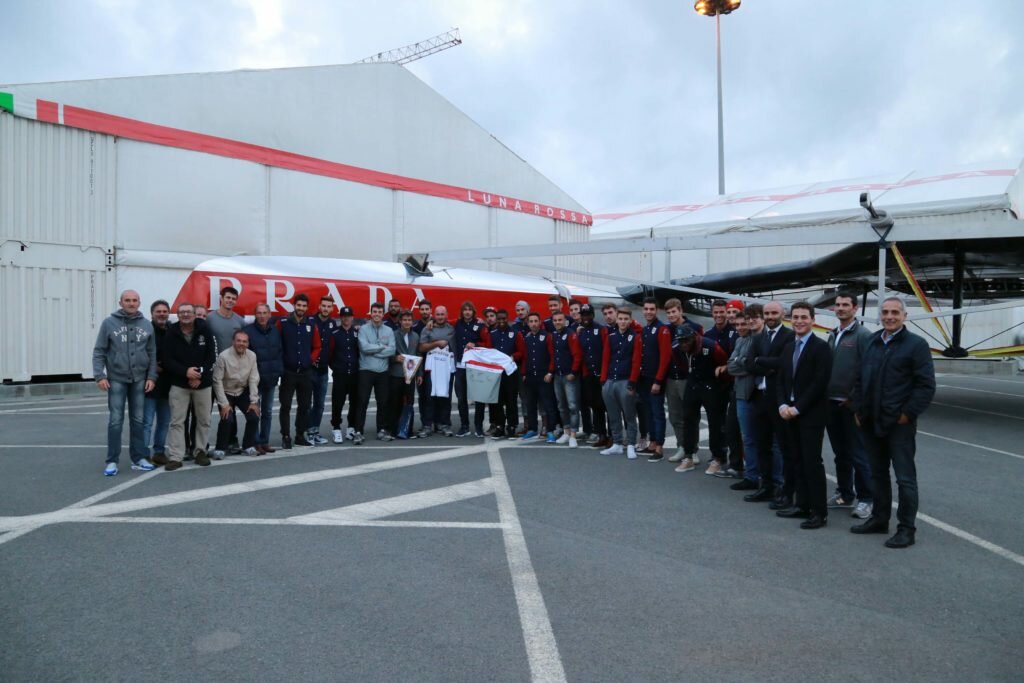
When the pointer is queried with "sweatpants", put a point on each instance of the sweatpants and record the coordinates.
(621, 405)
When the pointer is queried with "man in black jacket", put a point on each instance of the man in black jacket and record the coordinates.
(802, 389)
(765, 360)
(896, 384)
(187, 355)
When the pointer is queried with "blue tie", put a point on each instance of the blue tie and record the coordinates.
(796, 353)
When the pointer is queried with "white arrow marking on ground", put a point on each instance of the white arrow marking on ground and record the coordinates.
(389, 507)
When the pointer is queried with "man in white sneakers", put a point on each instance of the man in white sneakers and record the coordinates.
(236, 381)
(620, 370)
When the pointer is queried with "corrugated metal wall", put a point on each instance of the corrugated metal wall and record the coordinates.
(57, 222)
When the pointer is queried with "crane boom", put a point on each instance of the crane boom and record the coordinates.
(410, 53)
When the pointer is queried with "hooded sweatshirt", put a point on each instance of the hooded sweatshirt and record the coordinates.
(125, 349)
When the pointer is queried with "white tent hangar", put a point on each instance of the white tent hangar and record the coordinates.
(748, 230)
(132, 182)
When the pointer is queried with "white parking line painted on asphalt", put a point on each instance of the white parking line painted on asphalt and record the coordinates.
(976, 410)
(972, 445)
(399, 505)
(980, 391)
(960, 533)
(194, 495)
(263, 521)
(541, 648)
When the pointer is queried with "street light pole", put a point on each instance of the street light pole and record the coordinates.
(717, 8)
(721, 127)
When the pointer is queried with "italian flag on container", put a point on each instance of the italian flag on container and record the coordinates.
(483, 373)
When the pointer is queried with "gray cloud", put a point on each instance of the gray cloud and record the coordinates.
(613, 101)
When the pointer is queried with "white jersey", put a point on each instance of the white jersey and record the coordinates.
(440, 363)
(482, 358)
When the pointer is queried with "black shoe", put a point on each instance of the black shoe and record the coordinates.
(498, 433)
(793, 513)
(781, 503)
(759, 496)
(286, 442)
(743, 485)
(870, 526)
(302, 441)
(903, 538)
(656, 457)
(815, 521)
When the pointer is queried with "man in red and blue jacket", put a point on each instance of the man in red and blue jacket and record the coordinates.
(657, 357)
(566, 379)
(702, 356)
(300, 341)
(593, 337)
(510, 342)
(469, 333)
(538, 366)
(620, 371)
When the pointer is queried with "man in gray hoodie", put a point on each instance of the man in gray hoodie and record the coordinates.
(124, 366)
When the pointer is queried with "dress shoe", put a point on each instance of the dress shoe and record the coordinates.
(781, 503)
(870, 526)
(267, 448)
(815, 521)
(903, 538)
(286, 442)
(743, 485)
(759, 496)
(606, 442)
(793, 513)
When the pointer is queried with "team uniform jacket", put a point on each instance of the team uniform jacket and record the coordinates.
(657, 351)
(702, 363)
(343, 352)
(726, 337)
(540, 354)
(592, 340)
(300, 340)
(325, 328)
(510, 342)
(622, 356)
(469, 333)
(568, 354)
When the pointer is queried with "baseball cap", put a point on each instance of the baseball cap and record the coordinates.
(586, 308)
(735, 303)
(490, 309)
(685, 332)
(346, 310)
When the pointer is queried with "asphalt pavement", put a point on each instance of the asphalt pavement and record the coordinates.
(475, 560)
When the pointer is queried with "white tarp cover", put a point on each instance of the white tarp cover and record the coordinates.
(993, 186)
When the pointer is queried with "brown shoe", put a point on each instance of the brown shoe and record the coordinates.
(267, 448)
(606, 442)
(172, 465)
(159, 459)
(202, 459)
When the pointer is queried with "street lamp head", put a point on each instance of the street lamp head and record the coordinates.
(711, 8)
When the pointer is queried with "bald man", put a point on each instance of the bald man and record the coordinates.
(124, 366)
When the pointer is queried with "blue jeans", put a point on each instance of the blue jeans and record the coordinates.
(316, 413)
(745, 414)
(266, 414)
(567, 396)
(134, 393)
(158, 410)
(653, 405)
(852, 468)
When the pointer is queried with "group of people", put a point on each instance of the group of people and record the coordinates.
(770, 392)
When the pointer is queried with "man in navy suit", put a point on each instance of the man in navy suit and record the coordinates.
(765, 360)
(802, 397)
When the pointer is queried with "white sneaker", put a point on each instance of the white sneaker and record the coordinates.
(614, 449)
(863, 510)
(143, 465)
(338, 436)
(572, 442)
(217, 455)
(350, 434)
(251, 452)
(677, 456)
(631, 452)
(110, 470)
(644, 443)
(563, 439)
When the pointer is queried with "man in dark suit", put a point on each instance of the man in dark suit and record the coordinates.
(803, 405)
(765, 361)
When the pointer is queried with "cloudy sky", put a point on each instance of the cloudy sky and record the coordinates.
(614, 101)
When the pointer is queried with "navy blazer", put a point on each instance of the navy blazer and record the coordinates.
(809, 385)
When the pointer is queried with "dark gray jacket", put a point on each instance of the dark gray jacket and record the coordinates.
(846, 359)
(896, 379)
(737, 366)
(125, 349)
